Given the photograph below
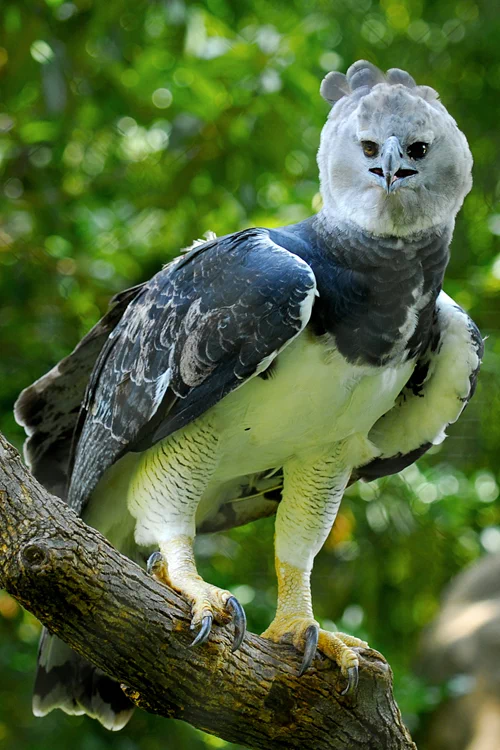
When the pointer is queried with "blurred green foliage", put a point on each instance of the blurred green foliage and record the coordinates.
(129, 129)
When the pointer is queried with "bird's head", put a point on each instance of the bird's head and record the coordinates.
(392, 161)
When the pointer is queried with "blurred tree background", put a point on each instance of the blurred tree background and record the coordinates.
(127, 129)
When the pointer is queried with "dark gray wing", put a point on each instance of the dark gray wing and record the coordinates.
(49, 408)
(439, 389)
(199, 329)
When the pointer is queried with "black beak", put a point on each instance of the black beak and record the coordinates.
(391, 160)
(392, 154)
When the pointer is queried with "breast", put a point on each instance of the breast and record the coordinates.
(313, 398)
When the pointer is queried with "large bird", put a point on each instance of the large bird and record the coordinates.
(264, 371)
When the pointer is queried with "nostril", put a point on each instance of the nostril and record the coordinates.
(405, 172)
(398, 175)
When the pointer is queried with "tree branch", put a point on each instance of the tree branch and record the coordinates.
(137, 630)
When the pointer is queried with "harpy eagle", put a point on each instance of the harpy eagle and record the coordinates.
(263, 371)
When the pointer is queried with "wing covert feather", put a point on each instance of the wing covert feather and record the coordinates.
(200, 328)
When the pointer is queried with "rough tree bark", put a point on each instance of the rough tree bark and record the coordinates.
(137, 630)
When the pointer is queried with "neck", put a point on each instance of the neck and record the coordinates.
(326, 225)
(356, 246)
(383, 288)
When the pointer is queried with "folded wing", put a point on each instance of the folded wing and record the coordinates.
(441, 386)
(199, 329)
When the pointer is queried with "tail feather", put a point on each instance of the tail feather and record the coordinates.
(66, 681)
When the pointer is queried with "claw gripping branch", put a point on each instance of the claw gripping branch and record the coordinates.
(144, 642)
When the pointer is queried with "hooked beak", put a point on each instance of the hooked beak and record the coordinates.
(391, 169)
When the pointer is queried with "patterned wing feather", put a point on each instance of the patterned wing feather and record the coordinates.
(199, 329)
(49, 408)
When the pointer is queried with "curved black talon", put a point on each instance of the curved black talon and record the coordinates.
(352, 681)
(204, 632)
(311, 637)
(155, 560)
(240, 621)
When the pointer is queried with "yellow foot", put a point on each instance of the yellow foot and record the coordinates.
(208, 603)
(306, 635)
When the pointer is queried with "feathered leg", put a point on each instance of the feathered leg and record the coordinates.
(175, 565)
(312, 494)
(164, 495)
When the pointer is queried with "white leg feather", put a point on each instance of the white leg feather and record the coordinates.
(312, 494)
(169, 481)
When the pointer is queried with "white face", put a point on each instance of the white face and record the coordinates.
(392, 163)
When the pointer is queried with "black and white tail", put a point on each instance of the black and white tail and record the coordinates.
(64, 680)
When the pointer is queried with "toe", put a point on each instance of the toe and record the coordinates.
(209, 604)
(219, 606)
(307, 636)
(204, 631)
(156, 565)
(311, 643)
(351, 641)
(339, 648)
(352, 681)
(240, 621)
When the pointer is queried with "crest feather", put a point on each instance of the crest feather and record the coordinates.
(396, 75)
(429, 94)
(334, 86)
(362, 76)
(363, 73)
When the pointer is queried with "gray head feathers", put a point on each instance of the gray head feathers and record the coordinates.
(360, 79)
(375, 114)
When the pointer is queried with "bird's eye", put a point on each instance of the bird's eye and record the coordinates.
(417, 150)
(369, 148)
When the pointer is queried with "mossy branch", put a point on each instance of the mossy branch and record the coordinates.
(137, 630)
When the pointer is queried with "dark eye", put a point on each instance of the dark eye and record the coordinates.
(369, 148)
(417, 150)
